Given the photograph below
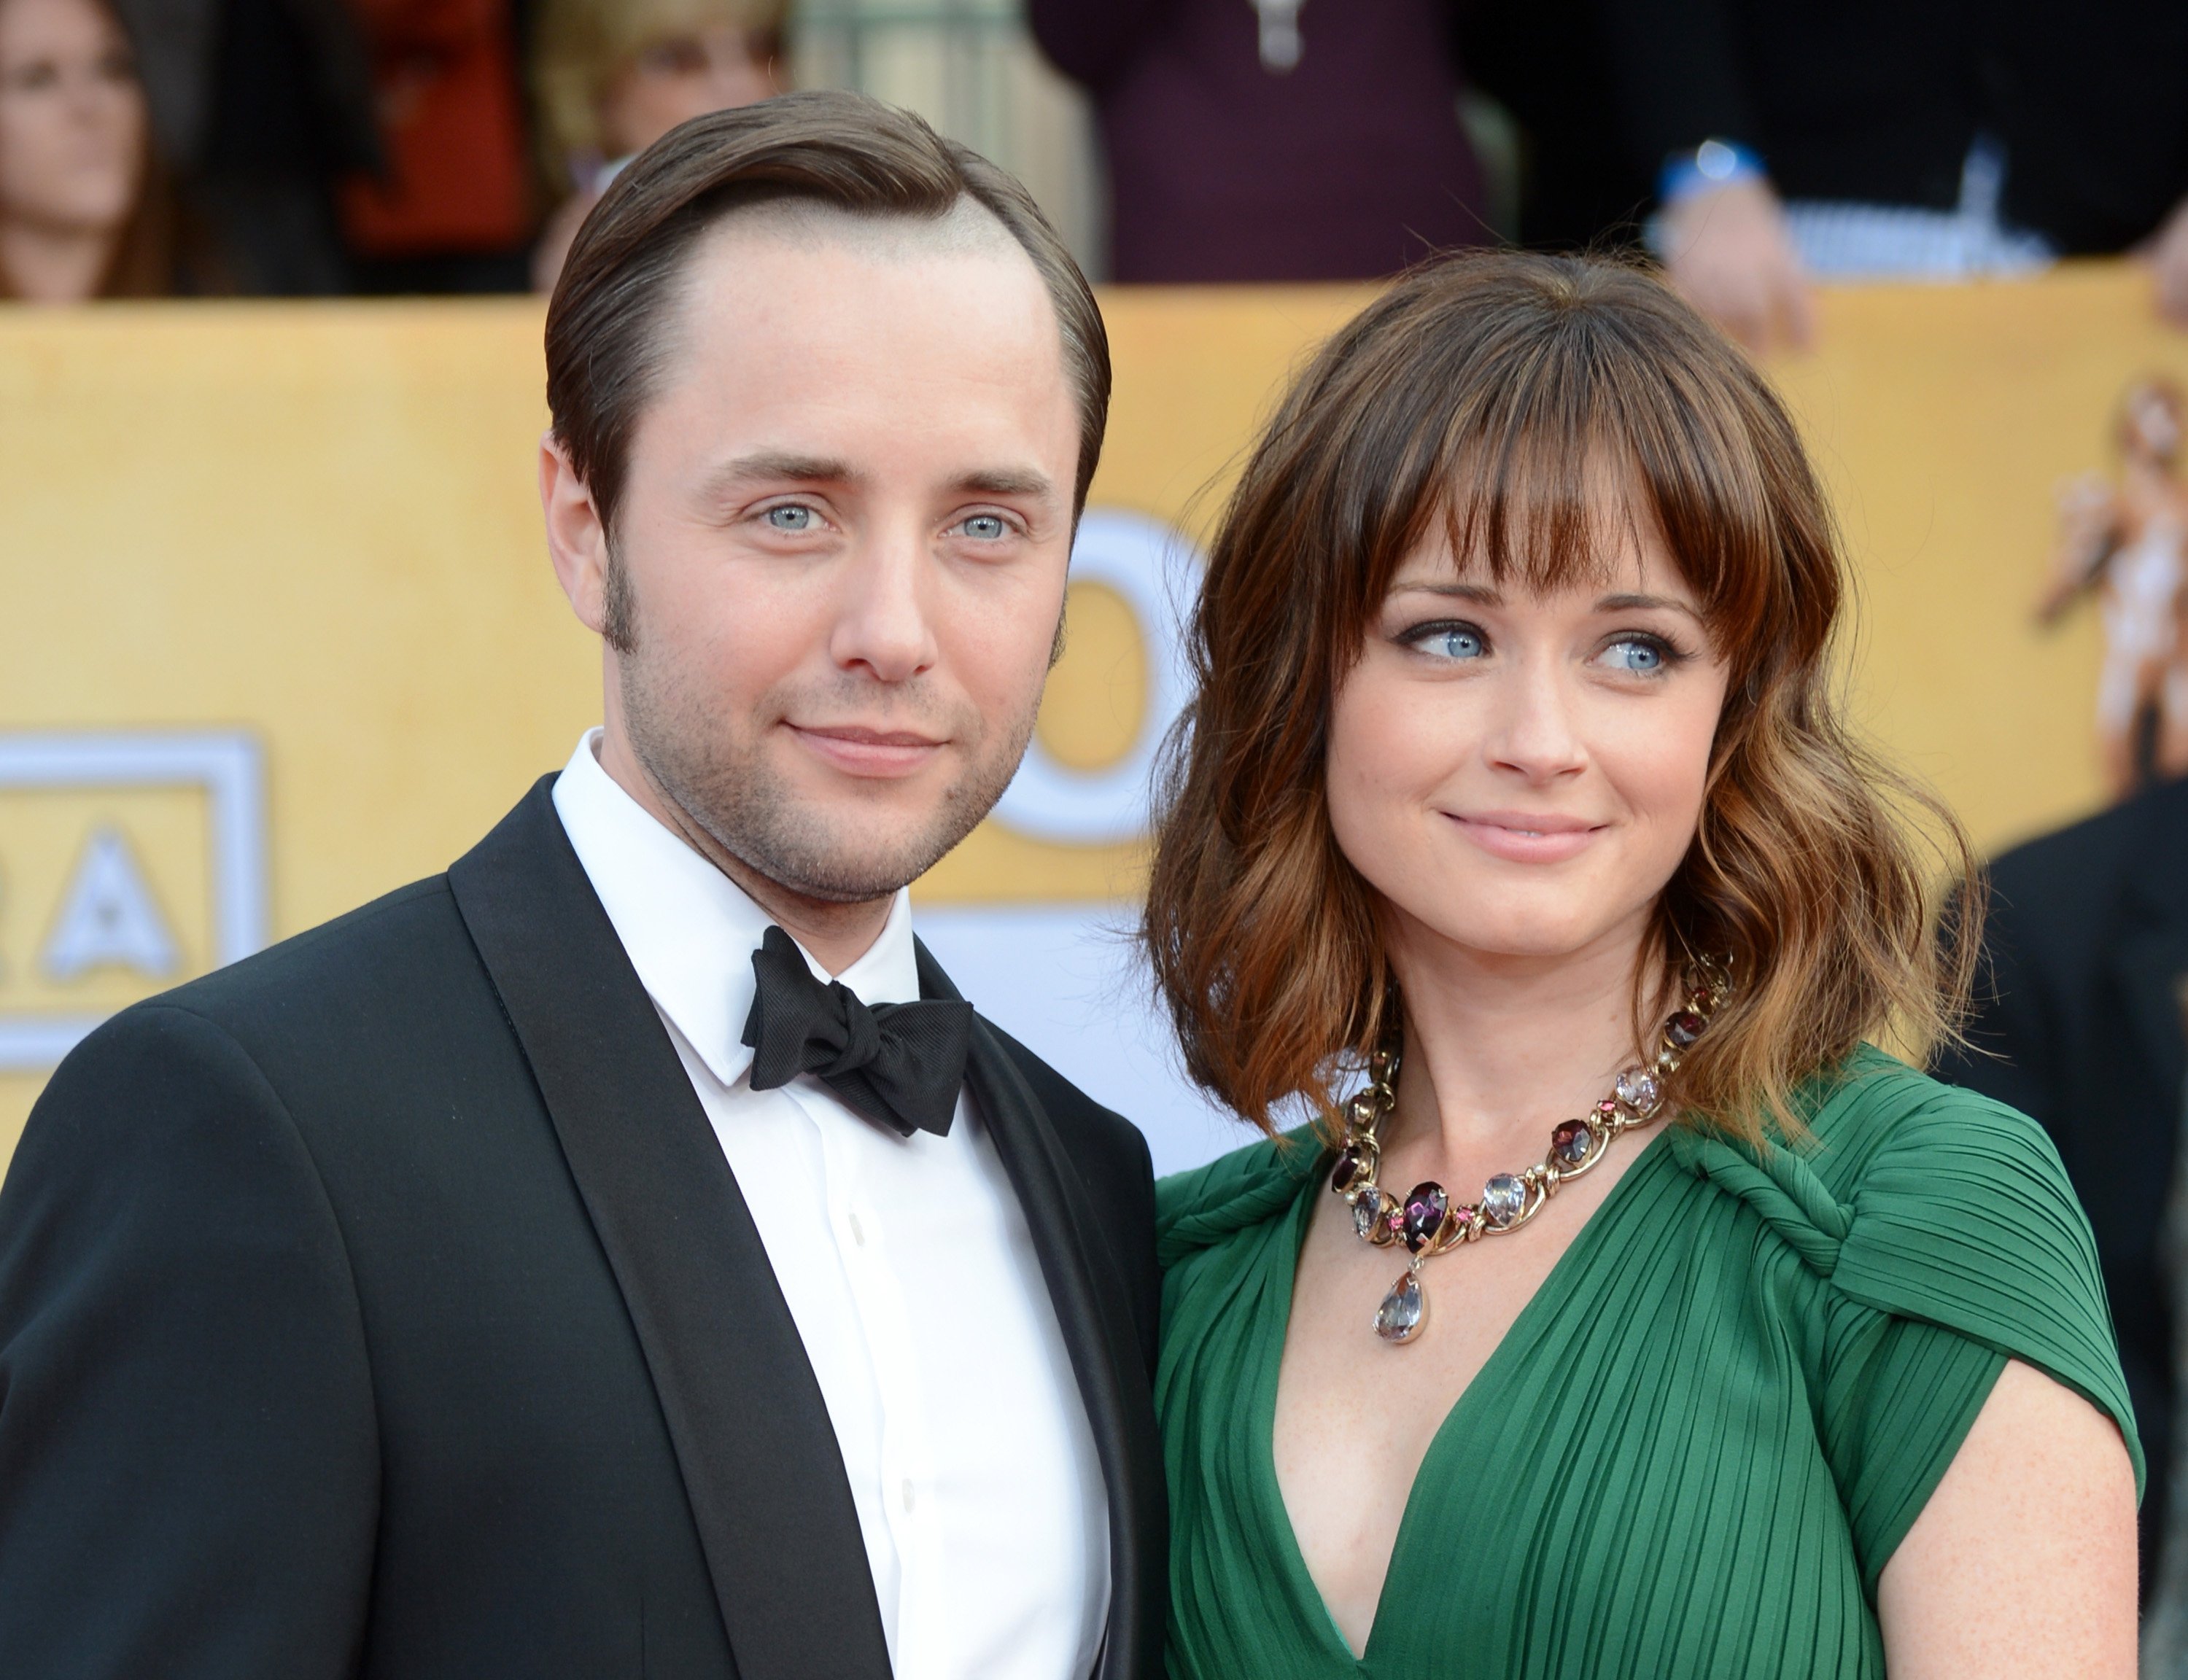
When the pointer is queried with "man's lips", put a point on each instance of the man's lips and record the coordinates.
(1527, 837)
(858, 751)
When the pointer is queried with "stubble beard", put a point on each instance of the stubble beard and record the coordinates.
(721, 780)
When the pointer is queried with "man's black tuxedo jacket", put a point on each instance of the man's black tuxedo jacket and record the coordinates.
(384, 1305)
(2079, 1024)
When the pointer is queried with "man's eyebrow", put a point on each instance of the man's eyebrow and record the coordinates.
(1008, 481)
(776, 466)
(1632, 603)
(773, 466)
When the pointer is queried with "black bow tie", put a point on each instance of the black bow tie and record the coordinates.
(899, 1064)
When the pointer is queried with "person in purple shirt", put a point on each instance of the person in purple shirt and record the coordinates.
(1273, 139)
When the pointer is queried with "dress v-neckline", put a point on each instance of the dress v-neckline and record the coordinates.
(1525, 1329)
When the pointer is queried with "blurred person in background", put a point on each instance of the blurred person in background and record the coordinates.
(2077, 1024)
(1546, 63)
(2165, 1621)
(2126, 544)
(1273, 139)
(85, 209)
(452, 210)
(2086, 945)
(261, 107)
(73, 149)
(1876, 140)
(612, 77)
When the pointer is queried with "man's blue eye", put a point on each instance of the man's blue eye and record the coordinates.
(985, 526)
(792, 518)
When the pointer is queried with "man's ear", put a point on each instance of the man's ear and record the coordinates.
(577, 540)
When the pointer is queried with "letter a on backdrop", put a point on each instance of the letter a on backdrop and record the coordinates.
(108, 916)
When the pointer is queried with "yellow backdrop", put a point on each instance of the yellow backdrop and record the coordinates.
(305, 538)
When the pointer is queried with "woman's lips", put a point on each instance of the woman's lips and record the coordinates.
(868, 753)
(1522, 836)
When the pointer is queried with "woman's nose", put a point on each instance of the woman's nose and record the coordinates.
(1536, 731)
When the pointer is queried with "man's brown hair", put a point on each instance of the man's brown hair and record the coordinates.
(843, 151)
(1502, 395)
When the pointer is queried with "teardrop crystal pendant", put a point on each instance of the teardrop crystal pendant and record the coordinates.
(1399, 1318)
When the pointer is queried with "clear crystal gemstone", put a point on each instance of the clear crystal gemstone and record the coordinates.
(1399, 1318)
(1502, 1199)
(1636, 1090)
(1367, 1213)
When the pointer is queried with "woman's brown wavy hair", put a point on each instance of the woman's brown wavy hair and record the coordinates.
(1495, 392)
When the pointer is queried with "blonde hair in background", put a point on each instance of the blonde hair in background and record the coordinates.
(583, 44)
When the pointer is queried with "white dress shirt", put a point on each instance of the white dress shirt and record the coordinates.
(908, 1266)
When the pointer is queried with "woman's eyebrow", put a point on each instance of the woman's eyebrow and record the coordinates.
(1482, 593)
(1630, 603)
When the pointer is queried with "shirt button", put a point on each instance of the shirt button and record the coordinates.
(906, 1493)
(858, 1232)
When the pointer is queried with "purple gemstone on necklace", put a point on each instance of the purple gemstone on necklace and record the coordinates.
(1571, 1142)
(1685, 1027)
(1346, 1169)
(1636, 1090)
(1503, 1199)
(1425, 1211)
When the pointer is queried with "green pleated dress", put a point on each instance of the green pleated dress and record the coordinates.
(1699, 1443)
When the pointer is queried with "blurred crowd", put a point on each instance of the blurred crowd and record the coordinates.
(312, 146)
(301, 148)
(1754, 146)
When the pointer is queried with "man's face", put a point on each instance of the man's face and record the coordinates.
(842, 546)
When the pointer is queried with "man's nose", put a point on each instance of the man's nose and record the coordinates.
(883, 624)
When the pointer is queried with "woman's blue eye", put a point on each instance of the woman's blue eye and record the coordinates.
(987, 526)
(791, 518)
(1453, 641)
(1636, 656)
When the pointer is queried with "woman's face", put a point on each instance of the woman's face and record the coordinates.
(71, 117)
(1519, 775)
(709, 69)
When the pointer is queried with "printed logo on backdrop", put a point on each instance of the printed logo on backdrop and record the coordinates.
(1146, 563)
(128, 862)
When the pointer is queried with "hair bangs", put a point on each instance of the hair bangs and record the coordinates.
(1554, 470)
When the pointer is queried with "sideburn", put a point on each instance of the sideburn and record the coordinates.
(618, 610)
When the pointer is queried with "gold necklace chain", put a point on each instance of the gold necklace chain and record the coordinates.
(1429, 1223)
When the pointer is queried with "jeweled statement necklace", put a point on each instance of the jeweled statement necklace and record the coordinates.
(1430, 1224)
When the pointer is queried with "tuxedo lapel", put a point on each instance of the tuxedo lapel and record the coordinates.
(752, 1434)
(1087, 1292)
